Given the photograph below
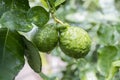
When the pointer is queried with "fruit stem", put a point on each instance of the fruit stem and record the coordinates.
(56, 19)
(52, 10)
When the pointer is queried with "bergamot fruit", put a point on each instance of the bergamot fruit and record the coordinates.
(46, 38)
(74, 42)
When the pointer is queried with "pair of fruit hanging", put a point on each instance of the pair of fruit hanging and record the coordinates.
(73, 41)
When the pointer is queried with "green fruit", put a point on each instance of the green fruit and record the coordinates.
(46, 38)
(75, 42)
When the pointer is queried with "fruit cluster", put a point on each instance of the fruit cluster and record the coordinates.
(73, 41)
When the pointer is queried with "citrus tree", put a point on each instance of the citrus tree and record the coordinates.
(89, 46)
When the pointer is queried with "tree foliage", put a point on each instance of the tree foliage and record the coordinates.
(17, 17)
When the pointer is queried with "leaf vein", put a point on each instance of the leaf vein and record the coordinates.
(3, 57)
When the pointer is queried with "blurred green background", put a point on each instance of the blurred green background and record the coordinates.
(101, 19)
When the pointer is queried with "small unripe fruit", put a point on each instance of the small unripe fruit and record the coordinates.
(46, 38)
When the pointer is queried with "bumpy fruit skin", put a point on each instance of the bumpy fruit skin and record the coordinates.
(46, 38)
(75, 42)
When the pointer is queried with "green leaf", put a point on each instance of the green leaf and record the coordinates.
(58, 2)
(118, 48)
(116, 64)
(44, 76)
(33, 56)
(118, 28)
(114, 68)
(106, 56)
(11, 54)
(6, 5)
(117, 4)
(91, 5)
(44, 3)
(38, 15)
(52, 3)
(16, 20)
(106, 35)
